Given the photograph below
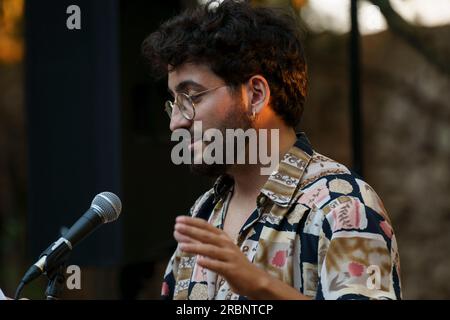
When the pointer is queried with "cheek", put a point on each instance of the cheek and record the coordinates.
(213, 114)
(209, 118)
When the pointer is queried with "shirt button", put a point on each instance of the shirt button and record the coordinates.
(261, 200)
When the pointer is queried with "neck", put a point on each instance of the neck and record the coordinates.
(248, 180)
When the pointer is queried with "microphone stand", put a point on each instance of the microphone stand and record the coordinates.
(56, 282)
(55, 265)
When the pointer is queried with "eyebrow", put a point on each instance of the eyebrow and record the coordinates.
(188, 84)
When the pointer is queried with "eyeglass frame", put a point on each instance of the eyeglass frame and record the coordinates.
(169, 105)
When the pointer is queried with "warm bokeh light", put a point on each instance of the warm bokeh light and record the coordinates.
(334, 15)
(425, 13)
(11, 42)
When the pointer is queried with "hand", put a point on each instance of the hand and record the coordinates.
(218, 253)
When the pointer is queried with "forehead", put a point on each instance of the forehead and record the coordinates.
(198, 73)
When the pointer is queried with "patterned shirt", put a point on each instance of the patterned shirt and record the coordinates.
(317, 227)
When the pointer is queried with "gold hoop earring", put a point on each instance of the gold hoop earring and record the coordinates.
(253, 115)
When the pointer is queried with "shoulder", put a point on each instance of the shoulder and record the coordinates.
(330, 187)
(350, 230)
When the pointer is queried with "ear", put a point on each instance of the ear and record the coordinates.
(258, 93)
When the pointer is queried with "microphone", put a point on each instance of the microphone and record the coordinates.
(105, 208)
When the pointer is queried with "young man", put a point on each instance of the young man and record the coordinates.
(309, 230)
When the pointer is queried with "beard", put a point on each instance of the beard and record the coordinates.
(236, 119)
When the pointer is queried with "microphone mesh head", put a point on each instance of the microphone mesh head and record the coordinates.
(108, 206)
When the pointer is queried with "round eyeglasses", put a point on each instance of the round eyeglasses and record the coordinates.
(186, 103)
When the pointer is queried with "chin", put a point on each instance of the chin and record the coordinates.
(209, 170)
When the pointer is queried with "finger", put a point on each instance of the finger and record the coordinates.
(207, 250)
(214, 265)
(181, 238)
(197, 222)
(202, 235)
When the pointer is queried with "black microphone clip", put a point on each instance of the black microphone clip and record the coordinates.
(52, 263)
(50, 260)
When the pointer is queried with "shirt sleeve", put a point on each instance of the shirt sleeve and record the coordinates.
(170, 275)
(357, 250)
(168, 285)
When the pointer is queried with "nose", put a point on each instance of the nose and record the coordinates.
(177, 121)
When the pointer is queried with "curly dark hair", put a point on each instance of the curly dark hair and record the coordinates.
(237, 41)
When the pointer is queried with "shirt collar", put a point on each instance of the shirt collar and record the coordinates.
(283, 181)
(222, 186)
